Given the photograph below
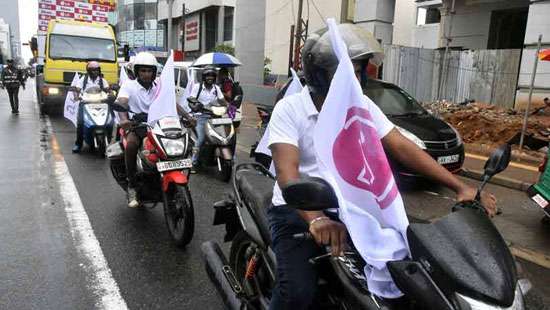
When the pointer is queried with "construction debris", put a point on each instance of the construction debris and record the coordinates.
(482, 123)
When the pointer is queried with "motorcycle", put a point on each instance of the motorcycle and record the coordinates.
(220, 138)
(163, 168)
(459, 262)
(98, 119)
(264, 112)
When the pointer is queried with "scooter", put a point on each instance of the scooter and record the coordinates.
(163, 168)
(98, 119)
(459, 262)
(219, 147)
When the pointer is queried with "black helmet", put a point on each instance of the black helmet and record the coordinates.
(319, 61)
(209, 71)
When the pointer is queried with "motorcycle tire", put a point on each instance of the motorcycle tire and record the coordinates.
(260, 286)
(227, 170)
(179, 214)
(101, 147)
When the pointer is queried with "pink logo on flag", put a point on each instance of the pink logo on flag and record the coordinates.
(360, 159)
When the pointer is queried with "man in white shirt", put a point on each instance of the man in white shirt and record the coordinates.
(92, 78)
(205, 93)
(291, 143)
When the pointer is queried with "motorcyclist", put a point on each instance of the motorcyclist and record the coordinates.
(92, 78)
(137, 95)
(205, 93)
(291, 143)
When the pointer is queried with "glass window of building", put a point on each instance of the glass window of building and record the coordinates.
(228, 24)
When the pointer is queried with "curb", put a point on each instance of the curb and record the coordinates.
(498, 180)
(485, 150)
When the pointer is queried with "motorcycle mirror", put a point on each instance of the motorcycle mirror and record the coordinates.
(310, 194)
(118, 107)
(498, 161)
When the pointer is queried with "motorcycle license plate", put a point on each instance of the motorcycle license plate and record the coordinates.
(221, 121)
(540, 201)
(451, 159)
(174, 165)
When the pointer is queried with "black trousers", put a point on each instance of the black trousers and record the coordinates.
(80, 125)
(13, 93)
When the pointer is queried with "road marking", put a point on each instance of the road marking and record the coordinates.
(513, 164)
(95, 265)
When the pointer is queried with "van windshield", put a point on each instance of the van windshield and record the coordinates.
(81, 48)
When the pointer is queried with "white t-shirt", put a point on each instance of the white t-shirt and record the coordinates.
(91, 83)
(207, 95)
(293, 122)
(139, 98)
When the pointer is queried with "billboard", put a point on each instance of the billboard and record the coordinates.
(71, 10)
(192, 33)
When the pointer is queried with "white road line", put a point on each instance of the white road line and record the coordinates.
(94, 263)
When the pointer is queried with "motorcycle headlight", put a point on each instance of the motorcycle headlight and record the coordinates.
(458, 137)
(518, 303)
(173, 147)
(214, 134)
(409, 135)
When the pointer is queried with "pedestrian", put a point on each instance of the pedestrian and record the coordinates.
(11, 80)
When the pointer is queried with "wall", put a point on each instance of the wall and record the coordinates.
(10, 14)
(249, 41)
(404, 22)
(280, 15)
(377, 17)
(538, 23)
(471, 23)
(190, 6)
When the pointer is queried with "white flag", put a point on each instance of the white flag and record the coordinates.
(123, 76)
(294, 88)
(164, 98)
(352, 159)
(70, 110)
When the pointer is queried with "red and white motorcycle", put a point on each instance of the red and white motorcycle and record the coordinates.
(163, 168)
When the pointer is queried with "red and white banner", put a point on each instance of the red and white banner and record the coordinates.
(95, 11)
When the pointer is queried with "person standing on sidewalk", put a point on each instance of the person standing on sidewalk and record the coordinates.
(12, 79)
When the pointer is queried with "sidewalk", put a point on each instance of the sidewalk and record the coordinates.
(518, 175)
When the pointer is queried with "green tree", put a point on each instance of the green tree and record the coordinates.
(267, 69)
(224, 48)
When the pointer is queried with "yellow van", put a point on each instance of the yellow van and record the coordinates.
(69, 45)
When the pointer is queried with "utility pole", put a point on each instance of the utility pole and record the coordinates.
(169, 41)
(533, 75)
(291, 50)
(300, 37)
(444, 65)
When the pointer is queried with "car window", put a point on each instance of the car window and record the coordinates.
(183, 78)
(393, 101)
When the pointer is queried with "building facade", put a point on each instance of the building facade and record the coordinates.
(138, 25)
(10, 15)
(204, 25)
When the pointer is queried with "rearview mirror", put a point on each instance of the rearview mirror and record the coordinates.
(498, 161)
(310, 194)
(118, 107)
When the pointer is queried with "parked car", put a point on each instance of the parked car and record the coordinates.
(435, 136)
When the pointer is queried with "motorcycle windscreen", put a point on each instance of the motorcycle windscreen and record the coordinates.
(466, 254)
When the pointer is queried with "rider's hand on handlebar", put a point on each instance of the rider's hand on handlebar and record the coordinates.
(125, 124)
(329, 232)
(488, 200)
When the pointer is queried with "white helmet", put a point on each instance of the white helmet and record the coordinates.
(145, 59)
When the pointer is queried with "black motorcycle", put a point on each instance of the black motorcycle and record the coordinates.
(458, 262)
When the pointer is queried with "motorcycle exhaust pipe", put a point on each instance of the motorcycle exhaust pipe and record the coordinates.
(221, 274)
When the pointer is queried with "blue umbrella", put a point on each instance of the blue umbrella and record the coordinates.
(216, 59)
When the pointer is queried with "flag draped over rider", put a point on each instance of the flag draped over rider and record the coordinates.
(164, 98)
(352, 159)
(70, 110)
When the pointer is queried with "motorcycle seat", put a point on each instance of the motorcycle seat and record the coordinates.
(256, 190)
